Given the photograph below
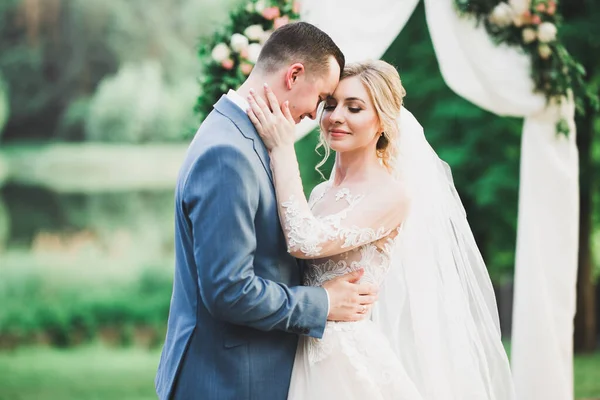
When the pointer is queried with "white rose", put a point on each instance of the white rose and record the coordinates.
(265, 36)
(238, 42)
(253, 52)
(220, 52)
(545, 51)
(250, 7)
(529, 35)
(502, 15)
(547, 32)
(259, 6)
(254, 32)
(520, 6)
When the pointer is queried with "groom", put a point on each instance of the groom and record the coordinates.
(238, 305)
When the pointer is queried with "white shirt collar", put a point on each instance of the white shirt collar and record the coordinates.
(238, 100)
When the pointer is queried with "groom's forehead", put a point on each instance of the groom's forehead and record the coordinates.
(331, 85)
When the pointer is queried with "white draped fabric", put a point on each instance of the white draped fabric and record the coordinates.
(362, 29)
(497, 78)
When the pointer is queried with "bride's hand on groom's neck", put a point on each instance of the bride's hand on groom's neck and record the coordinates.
(273, 121)
(350, 300)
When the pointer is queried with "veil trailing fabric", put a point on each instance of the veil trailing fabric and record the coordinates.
(437, 306)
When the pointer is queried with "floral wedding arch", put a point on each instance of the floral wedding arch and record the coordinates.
(504, 56)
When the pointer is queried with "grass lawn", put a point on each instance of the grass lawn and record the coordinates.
(83, 373)
(100, 373)
(587, 376)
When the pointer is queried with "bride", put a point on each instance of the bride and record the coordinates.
(389, 208)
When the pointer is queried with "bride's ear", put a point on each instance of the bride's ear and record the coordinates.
(293, 75)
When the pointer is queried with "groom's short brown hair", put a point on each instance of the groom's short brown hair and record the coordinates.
(303, 43)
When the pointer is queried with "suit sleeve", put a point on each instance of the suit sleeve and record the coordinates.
(221, 201)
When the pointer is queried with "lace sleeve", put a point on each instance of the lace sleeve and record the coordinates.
(364, 221)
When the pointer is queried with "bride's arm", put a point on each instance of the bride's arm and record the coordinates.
(308, 236)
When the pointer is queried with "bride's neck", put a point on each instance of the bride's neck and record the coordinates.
(353, 166)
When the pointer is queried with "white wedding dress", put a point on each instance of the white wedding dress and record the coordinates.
(434, 332)
(353, 360)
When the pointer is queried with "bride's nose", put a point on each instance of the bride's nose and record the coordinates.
(336, 116)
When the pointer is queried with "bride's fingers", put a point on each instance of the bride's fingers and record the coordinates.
(287, 113)
(263, 106)
(363, 309)
(366, 300)
(256, 108)
(254, 120)
(273, 102)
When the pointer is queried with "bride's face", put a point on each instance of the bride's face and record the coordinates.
(349, 120)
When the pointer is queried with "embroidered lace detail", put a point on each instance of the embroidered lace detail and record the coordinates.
(307, 233)
(376, 263)
(373, 260)
(355, 340)
(370, 250)
(319, 349)
(317, 275)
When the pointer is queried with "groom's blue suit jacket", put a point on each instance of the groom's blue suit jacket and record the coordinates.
(236, 308)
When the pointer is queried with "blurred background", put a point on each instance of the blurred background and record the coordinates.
(96, 110)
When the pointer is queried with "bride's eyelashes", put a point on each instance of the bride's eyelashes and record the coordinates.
(353, 110)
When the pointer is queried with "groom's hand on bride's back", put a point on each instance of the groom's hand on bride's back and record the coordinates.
(348, 299)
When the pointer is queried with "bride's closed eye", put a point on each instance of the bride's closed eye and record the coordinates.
(332, 107)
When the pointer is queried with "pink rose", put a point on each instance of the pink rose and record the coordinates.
(271, 13)
(551, 8)
(244, 53)
(279, 22)
(541, 7)
(246, 68)
(227, 64)
(536, 20)
(296, 7)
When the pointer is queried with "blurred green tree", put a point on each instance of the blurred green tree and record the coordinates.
(54, 54)
(4, 106)
(580, 33)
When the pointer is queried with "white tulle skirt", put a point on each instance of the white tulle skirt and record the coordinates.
(352, 361)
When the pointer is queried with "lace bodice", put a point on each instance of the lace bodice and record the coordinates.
(338, 216)
(369, 245)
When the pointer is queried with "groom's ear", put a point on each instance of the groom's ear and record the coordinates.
(293, 74)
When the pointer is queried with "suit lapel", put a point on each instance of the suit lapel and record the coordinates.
(230, 110)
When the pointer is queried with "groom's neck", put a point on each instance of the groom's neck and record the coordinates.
(255, 82)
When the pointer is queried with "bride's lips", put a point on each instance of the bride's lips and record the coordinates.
(338, 133)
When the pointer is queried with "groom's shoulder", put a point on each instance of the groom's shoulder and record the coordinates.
(217, 130)
(217, 127)
(217, 138)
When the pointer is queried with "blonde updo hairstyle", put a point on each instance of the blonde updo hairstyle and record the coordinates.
(384, 86)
